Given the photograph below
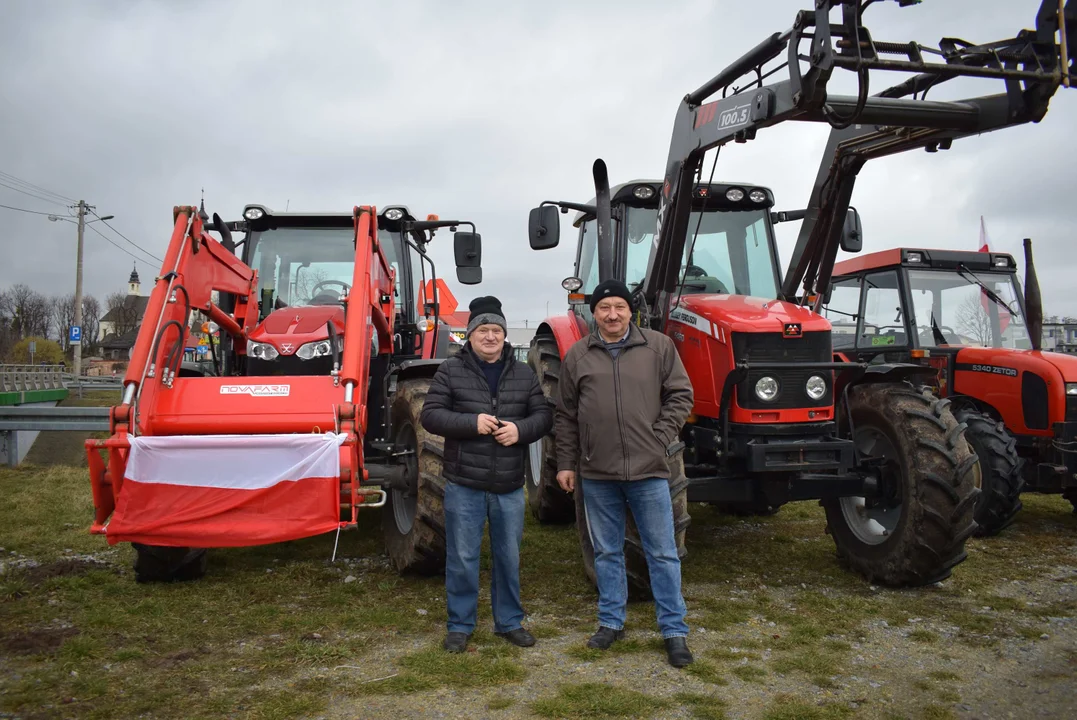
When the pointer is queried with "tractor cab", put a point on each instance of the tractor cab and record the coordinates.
(305, 264)
(892, 302)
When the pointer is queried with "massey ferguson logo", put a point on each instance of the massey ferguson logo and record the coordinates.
(792, 330)
(256, 390)
(286, 348)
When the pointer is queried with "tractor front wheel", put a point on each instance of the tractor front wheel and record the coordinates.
(158, 563)
(639, 578)
(549, 503)
(413, 519)
(1000, 469)
(913, 532)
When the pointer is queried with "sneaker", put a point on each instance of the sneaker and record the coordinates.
(605, 637)
(518, 637)
(677, 651)
(456, 642)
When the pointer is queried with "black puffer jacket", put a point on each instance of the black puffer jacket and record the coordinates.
(458, 394)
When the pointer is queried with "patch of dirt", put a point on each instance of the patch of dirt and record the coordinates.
(36, 642)
(61, 568)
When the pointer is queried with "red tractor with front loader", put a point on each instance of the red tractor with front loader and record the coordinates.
(311, 410)
(963, 314)
(776, 417)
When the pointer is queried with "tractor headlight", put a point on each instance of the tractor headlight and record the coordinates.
(815, 387)
(316, 349)
(734, 194)
(757, 196)
(1071, 388)
(394, 214)
(766, 388)
(253, 213)
(261, 351)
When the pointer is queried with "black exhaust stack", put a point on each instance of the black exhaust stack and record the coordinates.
(602, 217)
(1033, 302)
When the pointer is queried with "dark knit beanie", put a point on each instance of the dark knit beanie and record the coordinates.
(486, 310)
(610, 288)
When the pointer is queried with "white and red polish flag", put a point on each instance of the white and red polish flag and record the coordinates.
(985, 302)
(228, 490)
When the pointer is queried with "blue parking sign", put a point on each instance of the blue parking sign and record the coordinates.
(75, 335)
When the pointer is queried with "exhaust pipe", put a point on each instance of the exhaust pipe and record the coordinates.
(1033, 302)
(602, 218)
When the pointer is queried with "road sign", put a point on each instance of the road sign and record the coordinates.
(75, 336)
(33, 347)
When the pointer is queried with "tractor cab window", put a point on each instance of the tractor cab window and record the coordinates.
(303, 266)
(587, 264)
(842, 310)
(733, 254)
(964, 308)
(883, 324)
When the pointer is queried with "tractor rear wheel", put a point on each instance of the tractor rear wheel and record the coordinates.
(158, 563)
(639, 578)
(413, 520)
(1000, 469)
(913, 533)
(549, 503)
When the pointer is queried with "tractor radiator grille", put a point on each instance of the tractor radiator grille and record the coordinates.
(813, 347)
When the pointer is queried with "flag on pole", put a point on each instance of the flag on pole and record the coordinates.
(986, 302)
(983, 236)
(228, 490)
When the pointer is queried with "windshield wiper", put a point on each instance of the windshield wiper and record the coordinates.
(967, 274)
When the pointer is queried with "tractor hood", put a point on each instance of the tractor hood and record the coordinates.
(1008, 361)
(287, 329)
(1065, 364)
(738, 313)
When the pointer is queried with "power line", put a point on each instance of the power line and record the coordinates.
(121, 247)
(125, 237)
(33, 195)
(34, 212)
(30, 185)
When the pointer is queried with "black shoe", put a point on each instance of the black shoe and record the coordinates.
(605, 637)
(456, 642)
(677, 651)
(518, 637)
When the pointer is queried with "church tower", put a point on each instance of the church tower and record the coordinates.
(133, 286)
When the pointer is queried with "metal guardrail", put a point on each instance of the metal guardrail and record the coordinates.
(23, 378)
(23, 417)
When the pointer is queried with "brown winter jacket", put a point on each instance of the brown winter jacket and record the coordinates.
(618, 416)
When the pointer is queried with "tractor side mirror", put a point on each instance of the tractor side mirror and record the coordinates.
(544, 227)
(852, 233)
(467, 246)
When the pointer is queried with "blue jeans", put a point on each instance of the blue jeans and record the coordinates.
(652, 509)
(466, 511)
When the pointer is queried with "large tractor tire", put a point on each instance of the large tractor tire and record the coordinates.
(1001, 471)
(914, 532)
(413, 520)
(639, 578)
(158, 563)
(549, 503)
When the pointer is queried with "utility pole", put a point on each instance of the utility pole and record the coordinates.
(77, 341)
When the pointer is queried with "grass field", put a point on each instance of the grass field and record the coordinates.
(780, 630)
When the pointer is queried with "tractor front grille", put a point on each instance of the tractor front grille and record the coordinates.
(812, 347)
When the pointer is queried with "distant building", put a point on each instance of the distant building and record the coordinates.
(1060, 336)
(117, 346)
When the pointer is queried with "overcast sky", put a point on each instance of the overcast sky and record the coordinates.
(471, 110)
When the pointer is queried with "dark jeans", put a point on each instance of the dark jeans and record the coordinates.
(466, 512)
(652, 509)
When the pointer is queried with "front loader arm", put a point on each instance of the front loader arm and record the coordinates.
(1031, 65)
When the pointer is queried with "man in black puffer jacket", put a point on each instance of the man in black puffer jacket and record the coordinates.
(489, 407)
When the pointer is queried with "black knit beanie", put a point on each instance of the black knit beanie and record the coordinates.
(610, 288)
(486, 310)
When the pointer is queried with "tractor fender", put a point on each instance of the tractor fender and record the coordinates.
(412, 369)
(888, 372)
(564, 329)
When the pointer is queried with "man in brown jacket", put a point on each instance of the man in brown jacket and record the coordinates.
(624, 397)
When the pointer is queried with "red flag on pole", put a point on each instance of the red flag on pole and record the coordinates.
(1003, 314)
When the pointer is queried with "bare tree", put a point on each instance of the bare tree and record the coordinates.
(7, 318)
(122, 312)
(31, 312)
(973, 320)
(62, 309)
(91, 318)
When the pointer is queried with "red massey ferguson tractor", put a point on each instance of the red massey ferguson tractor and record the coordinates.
(310, 412)
(964, 315)
(776, 417)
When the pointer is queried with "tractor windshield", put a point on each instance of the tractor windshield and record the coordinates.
(311, 265)
(967, 308)
(733, 252)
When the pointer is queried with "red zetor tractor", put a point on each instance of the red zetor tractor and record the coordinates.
(776, 417)
(964, 315)
(310, 412)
